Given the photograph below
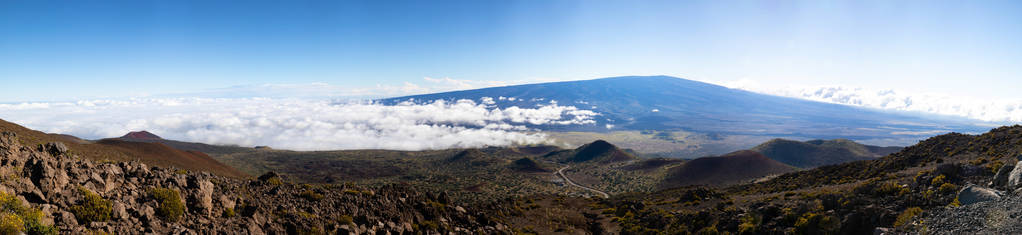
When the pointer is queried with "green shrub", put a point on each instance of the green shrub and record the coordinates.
(16, 217)
(812, 222)
(346, 219)
(34, 227)
(92, 208)
(708, 230)
(10, 223)
(880, 189)
(748, 225)
(306, 215)
(994, 167)
(947, 188)
(939, 180)
(229, 212)
(906, 216)
(311, 195)
(170, 206)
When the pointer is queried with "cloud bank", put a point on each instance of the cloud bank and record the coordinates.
(1002, 110)
(301, 124)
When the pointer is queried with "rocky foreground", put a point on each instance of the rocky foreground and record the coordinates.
(46, 189)
(996, 209)
(1001, 216)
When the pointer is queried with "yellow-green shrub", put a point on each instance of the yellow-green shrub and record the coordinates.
(708, 230)
(994, 167)
(10, 223)
(229, 212)
(947, 188)
(939, 180)
(749, 224)
(92, 208)
(812, 222)
(16, 217)
(345, 219)
(170, 206)
(311, 195)
(906, 216)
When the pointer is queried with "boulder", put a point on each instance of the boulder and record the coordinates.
(1001, 178)
(972, 194)
(119, 211)
(254, 229)
(1015, 177)
(66, 218)
(8, 140)
(147, 213)
(201, 200)
(55, 148)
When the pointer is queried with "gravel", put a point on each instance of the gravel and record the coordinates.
(1002, 216)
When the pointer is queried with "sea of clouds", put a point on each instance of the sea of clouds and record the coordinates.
(301, 124)
(990, 110)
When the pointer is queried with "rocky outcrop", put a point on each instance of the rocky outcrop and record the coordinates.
(1001, 178)
(53, 180)
(972, 194)
(1015, 177)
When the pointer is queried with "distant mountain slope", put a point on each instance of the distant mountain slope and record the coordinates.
(669, 103)
(118, 150)
(526, 164)
(733, 168)
(163, 155)
(146, 137)
(472, 158)
(469, 174)
(651, 164)
(141, 135)
(816, 153)
(597, 151)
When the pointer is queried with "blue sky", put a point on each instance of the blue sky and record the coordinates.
(66, 50)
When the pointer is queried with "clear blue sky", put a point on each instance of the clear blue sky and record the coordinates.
(59, 50)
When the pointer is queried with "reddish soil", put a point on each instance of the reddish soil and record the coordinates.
(142, 135)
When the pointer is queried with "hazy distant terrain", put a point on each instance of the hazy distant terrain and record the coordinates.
(662, 143)
(815, 153)
(701, 119)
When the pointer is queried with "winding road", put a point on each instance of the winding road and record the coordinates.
(560, 173)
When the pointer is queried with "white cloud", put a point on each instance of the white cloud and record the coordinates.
(993, 110)
(487, 101)
(300, 124)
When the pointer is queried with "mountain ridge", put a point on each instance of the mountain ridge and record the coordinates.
(141, 135)
(670, 103)
(815, 153)
(118, 150)
(732, 168)
(598, 151)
